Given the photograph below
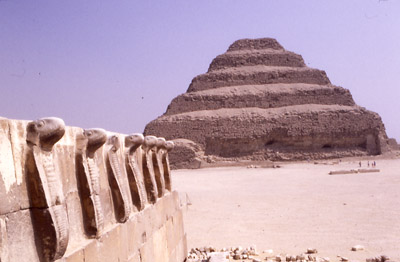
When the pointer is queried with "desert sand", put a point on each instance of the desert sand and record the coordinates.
(295, 207)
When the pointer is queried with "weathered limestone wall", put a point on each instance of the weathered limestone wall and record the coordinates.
(69, 194)
(261, 96)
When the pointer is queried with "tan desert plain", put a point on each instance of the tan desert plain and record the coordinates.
(295, 207)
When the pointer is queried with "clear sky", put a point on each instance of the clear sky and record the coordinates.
(118, 64)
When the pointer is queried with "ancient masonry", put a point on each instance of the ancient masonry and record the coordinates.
(69, 194)
(260, 102)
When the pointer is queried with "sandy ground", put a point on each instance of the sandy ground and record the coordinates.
(295, 207)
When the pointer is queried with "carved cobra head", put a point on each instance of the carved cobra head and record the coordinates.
(96, 137)
(133, 141)
(169, 145)
(45, 132)
(161, 143)
(149, 142)
(114, 141)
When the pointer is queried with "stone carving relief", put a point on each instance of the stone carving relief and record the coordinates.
(169, 145)
(48, 210)
(73, 181)
(117, 178)
(158, 166)
(148, 168)
(3, 240)
(135, 175)
(88, 176)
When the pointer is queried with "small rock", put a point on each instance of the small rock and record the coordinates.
(312, 251)
(357, 248)
(237, 257)
(218, 257)
(374, 259)
(269, 252)
(384, 258)
(256, 260)
(301, 257)
(344, 259)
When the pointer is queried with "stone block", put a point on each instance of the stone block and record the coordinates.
(110, 245)
(135, 257)
(77, 256)
(124, 253)
(136, 233)
(179, 251)
(9, 189)
(171, 238)
(20, 149)
(3, 240)
(21, 237)
(160, 244)
(91, 252)
(178, 226)
(147, 251)
(74, 210)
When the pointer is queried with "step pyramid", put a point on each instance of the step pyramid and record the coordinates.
(260, 102)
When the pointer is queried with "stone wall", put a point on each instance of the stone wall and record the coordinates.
(69, 194)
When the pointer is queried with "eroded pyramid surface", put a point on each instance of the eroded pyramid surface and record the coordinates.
(259, 102)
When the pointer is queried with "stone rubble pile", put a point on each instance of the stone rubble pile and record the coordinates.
(211, 254)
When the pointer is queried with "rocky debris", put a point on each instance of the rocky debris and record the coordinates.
(381, 258)
(211, 254)
(218, 257)
(259, 102)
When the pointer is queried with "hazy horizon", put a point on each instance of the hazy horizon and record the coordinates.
(117, 65)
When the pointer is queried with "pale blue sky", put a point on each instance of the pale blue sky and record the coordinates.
(118, 64)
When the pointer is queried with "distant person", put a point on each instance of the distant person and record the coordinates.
(359, 163)
(374, 164)
(368, 164)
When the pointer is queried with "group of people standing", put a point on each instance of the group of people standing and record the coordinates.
(373, 164)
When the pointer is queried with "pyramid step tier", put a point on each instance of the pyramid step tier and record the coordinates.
(258, 57)
(255, 44)
(238, 132)
(262, 96)
(258, 75)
